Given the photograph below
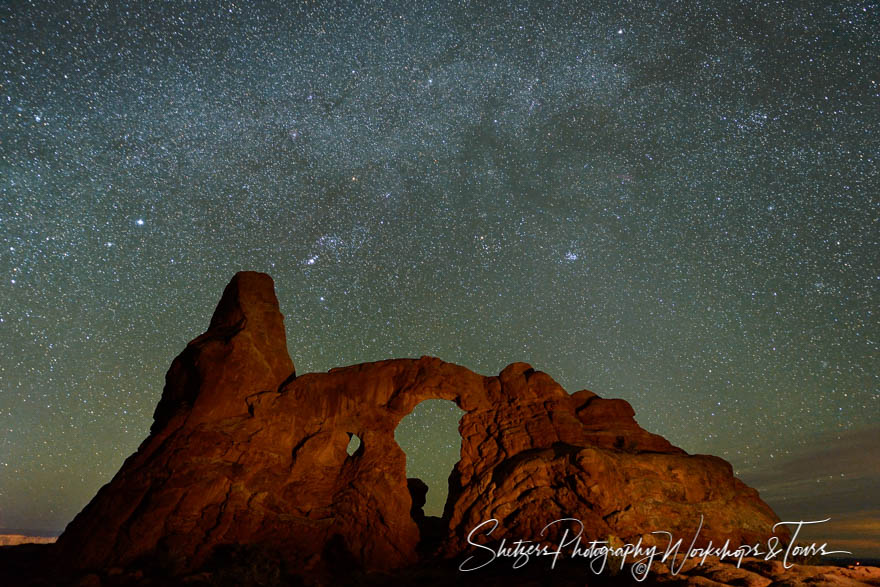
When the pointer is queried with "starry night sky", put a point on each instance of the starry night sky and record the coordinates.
(675, 203)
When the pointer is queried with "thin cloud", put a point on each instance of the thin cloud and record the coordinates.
(837, 478)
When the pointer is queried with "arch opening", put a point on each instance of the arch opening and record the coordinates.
(430, 438)
(354, 443)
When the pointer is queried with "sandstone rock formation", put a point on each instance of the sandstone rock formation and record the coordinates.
(15, 539)
(242, 451)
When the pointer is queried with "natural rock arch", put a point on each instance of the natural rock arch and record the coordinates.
(243, 451)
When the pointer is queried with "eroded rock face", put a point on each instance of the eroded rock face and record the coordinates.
(244, 452)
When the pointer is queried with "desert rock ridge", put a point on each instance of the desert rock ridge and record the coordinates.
(244, 451)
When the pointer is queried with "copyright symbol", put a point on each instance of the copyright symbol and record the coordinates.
(640, 569)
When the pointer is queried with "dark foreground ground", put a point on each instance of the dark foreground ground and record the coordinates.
(33, 565)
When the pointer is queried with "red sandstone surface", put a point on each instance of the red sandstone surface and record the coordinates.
(244, 452)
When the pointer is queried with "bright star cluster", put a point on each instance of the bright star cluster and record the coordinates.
(674, 203)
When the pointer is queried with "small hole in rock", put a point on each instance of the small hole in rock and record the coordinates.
(353, 444)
